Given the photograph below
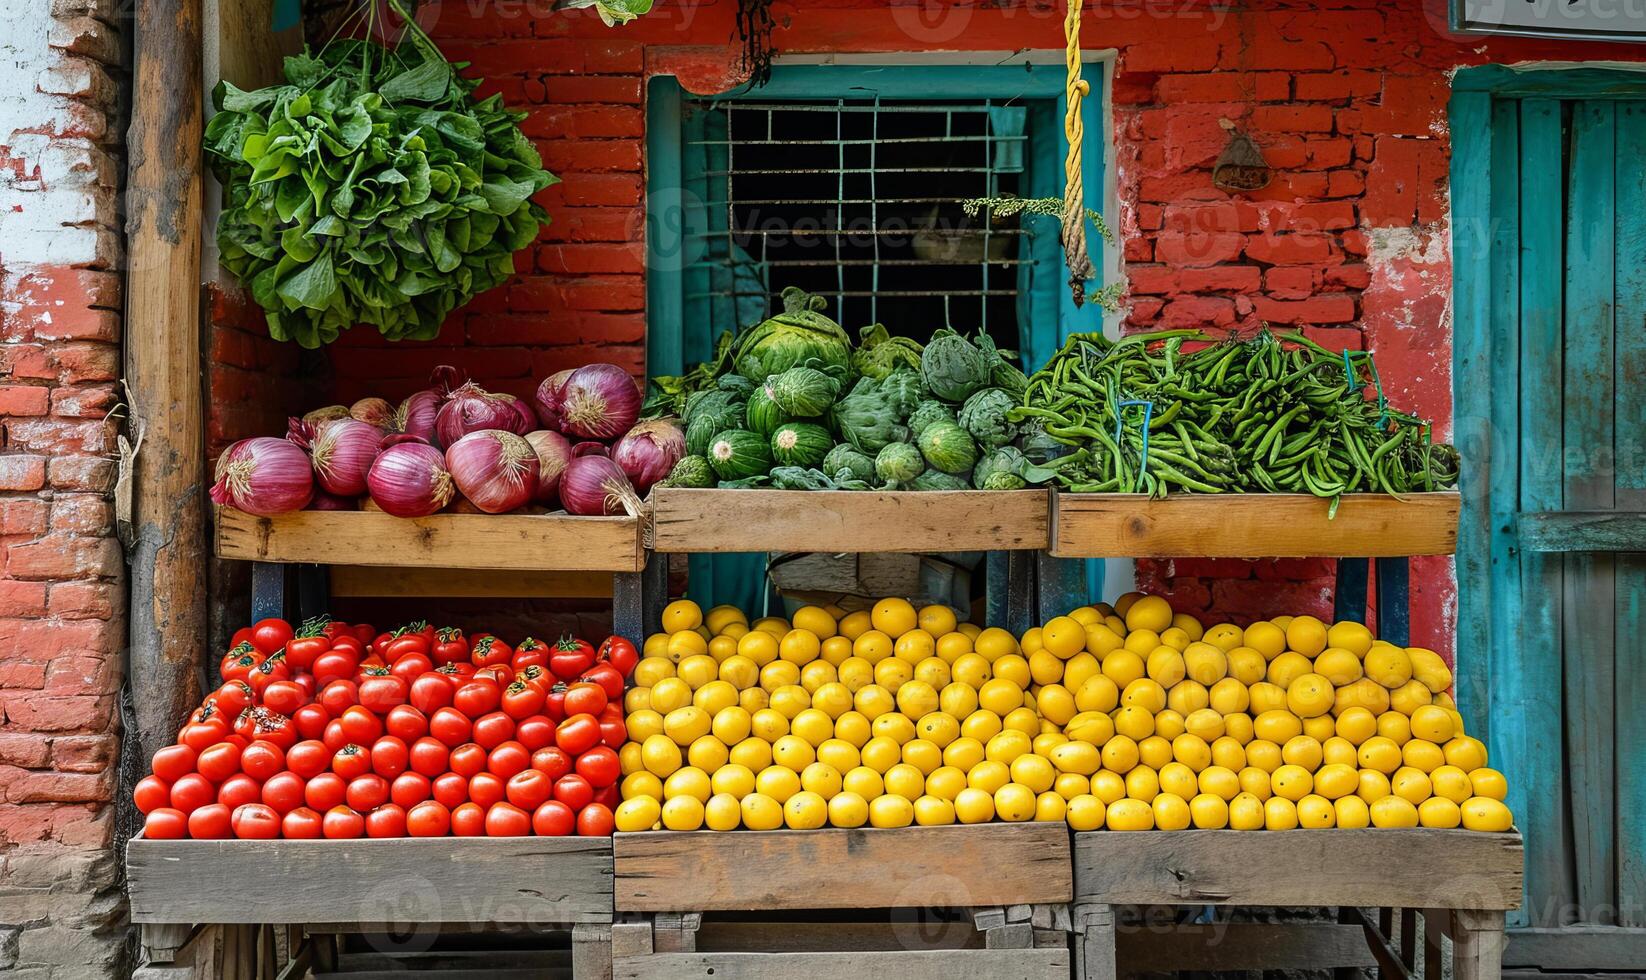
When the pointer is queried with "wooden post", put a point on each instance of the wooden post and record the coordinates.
(168, 541)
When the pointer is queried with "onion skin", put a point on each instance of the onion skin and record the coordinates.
(471, 408)
(594, 485)
(326, 414)
(410, 479)
(373, 411)
(599, 401)
(547, 399)
(343, 452)
(330, 501)
(528, 416)
(649, 451)
(554, 454)
(495, 469)
(416, 415)
(264, 476)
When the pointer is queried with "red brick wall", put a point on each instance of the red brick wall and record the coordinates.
(62, 589)
(1350, 242)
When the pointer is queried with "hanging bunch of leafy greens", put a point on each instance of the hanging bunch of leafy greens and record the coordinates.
(371, 188)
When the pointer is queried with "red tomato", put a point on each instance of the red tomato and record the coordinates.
(273, 668)
(310, 720)
(599, 766)
(284, 792)
(199, 735)
(450, 726)
(303, 651)
(529, 789)
(477, 697)
(584, 698)
(613, 732)
(238, 663)
(325, 791)
(456, 673)
(387, 820)
(507, 820)
(218, 762)
(263, 725)
(388, 757)
(554, 819)
(578, 734)
(533, 674)
(241, 635)
(166, 823)
(450, 789)
(309, 758)
(411, 666)
(214, 821)
(238, 789)
(339, 695)
(365, 792)
(493, 730)
(269, 635)
(410, 788)
(499, 674)
(607, 678)
(428, 756)
(234, 697)
(260, 760)
(570, 658)
(489, 651)
(531, 652)
(522, 700)
(609, 797)
(338, 663)
(360, 725)
(342, 823)
(468, 820)
(303, 823)
(450, 646)
(431, 692)
(594, 820)
(574, 791)
(552, 761)
(468, 759)
(486, 789)
(620, 653)
(406, 723)
(151, 794)
(428, 819)
(554, 703)
(351, 761)
(535, 732)
(284, 696)
(508, 759)
(380, 693)
(305, 680)
(334, 737)
(363, 632)
(254, 821)
(173, 762)
(408, 645)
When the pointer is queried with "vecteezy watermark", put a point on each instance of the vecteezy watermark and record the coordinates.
(932, 22)
(1593, 19)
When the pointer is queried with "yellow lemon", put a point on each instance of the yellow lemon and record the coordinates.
(641, 783)
(1411, 785)
(1430, 669)
(1247, 665)
(1049, 807)
(1101, 640)
(1178, 779)
(1288, 667)
(1391, 667)
(1206, 723)
(835, 650)
(1097, 693)
(873, 701)
(971, 670)
(1277, 725)
(1154, 751)
(905, 780)
(1364, 693)
(1422, 755)
(1336, 780)
(923, 755)
(945, 782)
(1266, 638)
(1433, 723)
(914, 646)
(650, 670)
(1356, 724)
(1228, 753)
(1108, 787)
(1291, 782)
(839, 754)
(853, 727)
(1338, 665)
(768, 724)
(739, 671)
(732, 778)
(963, 753)
(1122, 667)
(1453, 783)
(1165, 666)
(864, 782)
(812, 725)
(761, 812)
(815, 620)
(1439, 812)
(1033, 771)
(755, 753)
(989, 775)
(1465, 752)
(1085, 812)
(790, 700)
(698, 670)
(1301, 750)
(686, 644)
(1000, 696)
(686, 725)
(1310, 695)
(1063, 637)
(661, 755)
(1014, 668)
(800, 647)
(936, 619)
(1095, 729)
(855, 673)
(1209, 812)
(1488, 783)
(1352, 812)
(938, 727)
(775, 625)
(932, 811)
(833, 699)
(1353, 637)
(1014, 803)
(893, 673)
(1171, 812)
(1168, 724)
(721, 617)
(957, 699)
(1373, 786)
(1071, 784)
(683, 813)
(1486, 814)
(1306, 635)
(895, 726)
(1129, 814)
(1205, 663)
(994, 643)
(1134, 722)
(1149, 612)
(880, 753)
(1380, 753)
(682, 614)
(952, 646)
(1220, 781)
(894, 617)
(1263, 754)
(1189, 625)
(1056, 704)
(848, 809)
(1279, 813)
(973, 805)
(1394, 811)
(1265, 697)
(777, 782)
(1177, 639)
(873, 646)
(1145, 693)
(707, 753)
(1246, 812)
(1192, 751)
(891, 810)
(640, 813)
(933, 671)
(1409, 697)
(1225, 636)
(1186, 697)
(780, 673)
(1081, 758)
(1395, 727)
(759, 646)
(1316, 813)
(916, 698)
(853, 625)
(1120, 754)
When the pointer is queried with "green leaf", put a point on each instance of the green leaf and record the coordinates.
(312, 287)
(226, 97)
(504, 196)
(303, 70)
(613, 12)
(425, 83)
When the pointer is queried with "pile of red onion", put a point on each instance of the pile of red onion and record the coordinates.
(577, 445)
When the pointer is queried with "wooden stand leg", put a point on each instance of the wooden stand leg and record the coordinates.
(268, 590)
(313, 591)
(676, 932)
(1020, 591)
(1435, 924)
(997, 586)
(1394, 601)
(1349, 603)
(591, 951)
(638, 598)
(1477, 945)
(1094, 954)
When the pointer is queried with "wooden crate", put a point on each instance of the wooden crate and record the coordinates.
(1113, 525)
(1461, 881)
(831, 521)
(355, 885)
(541, 542)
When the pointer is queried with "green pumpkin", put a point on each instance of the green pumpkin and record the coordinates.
(948, 447)
(763, 414)
(898, 463)
(691, 471)
(1002, 480)
(927, 412)
(938, 480)
(801, 444)
(803, 392)
(845, 463)
(737, 454)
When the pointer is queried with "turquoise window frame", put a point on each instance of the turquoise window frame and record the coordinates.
(678, 335)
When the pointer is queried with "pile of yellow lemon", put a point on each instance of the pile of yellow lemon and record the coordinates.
(1127, 717)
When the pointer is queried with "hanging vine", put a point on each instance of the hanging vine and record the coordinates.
(754, 29)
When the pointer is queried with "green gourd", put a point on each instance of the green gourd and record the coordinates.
(763, 414)
(898, 462)
(737, 454)
(801, 444)
(691, 471)
(947, 447)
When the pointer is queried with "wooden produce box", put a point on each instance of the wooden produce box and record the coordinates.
(1367, 525)
(355, 885)
(843, 520)
(542, 542)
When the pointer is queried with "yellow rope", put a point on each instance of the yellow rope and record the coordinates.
(1074, 193)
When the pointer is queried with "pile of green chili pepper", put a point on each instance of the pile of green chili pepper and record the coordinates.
(1261, 415)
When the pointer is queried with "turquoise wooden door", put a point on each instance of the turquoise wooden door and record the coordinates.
(1549, 199)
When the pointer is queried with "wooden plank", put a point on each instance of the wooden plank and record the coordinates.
(1586, 422)
(792, 937)
(1568, 531)
(1103, 525)
(1477, 945)
(542, 542)
(418, 880)
(1399, 868)
(1526, 672)
(350, 581)
(1629, 440)
(1243, 946)
(985, 864)
(995, 964)
(1095, 941)
(1578, 947)
(838, 521)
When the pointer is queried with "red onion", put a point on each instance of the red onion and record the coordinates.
(528, 416)
(326, 414)
(264, 476)
(343, 452)
(373, 411)
(494, 469)
(599, 401)
(547, 399)
(410, 479)
(415, 416)
(471, 408)
(553, 454)
(649, 451)
(593, 484)
(331, 501)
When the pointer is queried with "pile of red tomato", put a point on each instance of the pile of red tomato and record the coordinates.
(337, 731)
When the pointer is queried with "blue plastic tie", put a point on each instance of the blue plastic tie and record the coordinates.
(1352, 377)
(1120, 421)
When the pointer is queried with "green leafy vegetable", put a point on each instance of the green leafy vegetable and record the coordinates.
(953, 367)
(691, 471)
(879, 353)
(947, 447)
(613, 12)
(845, 463)
(898, 463)
(865, 417)
(798, 334)
(984, 417)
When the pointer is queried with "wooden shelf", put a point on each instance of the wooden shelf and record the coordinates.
(528, 542)
(1104, 525)
(958, 865)
(849, 521)
(363, 883)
